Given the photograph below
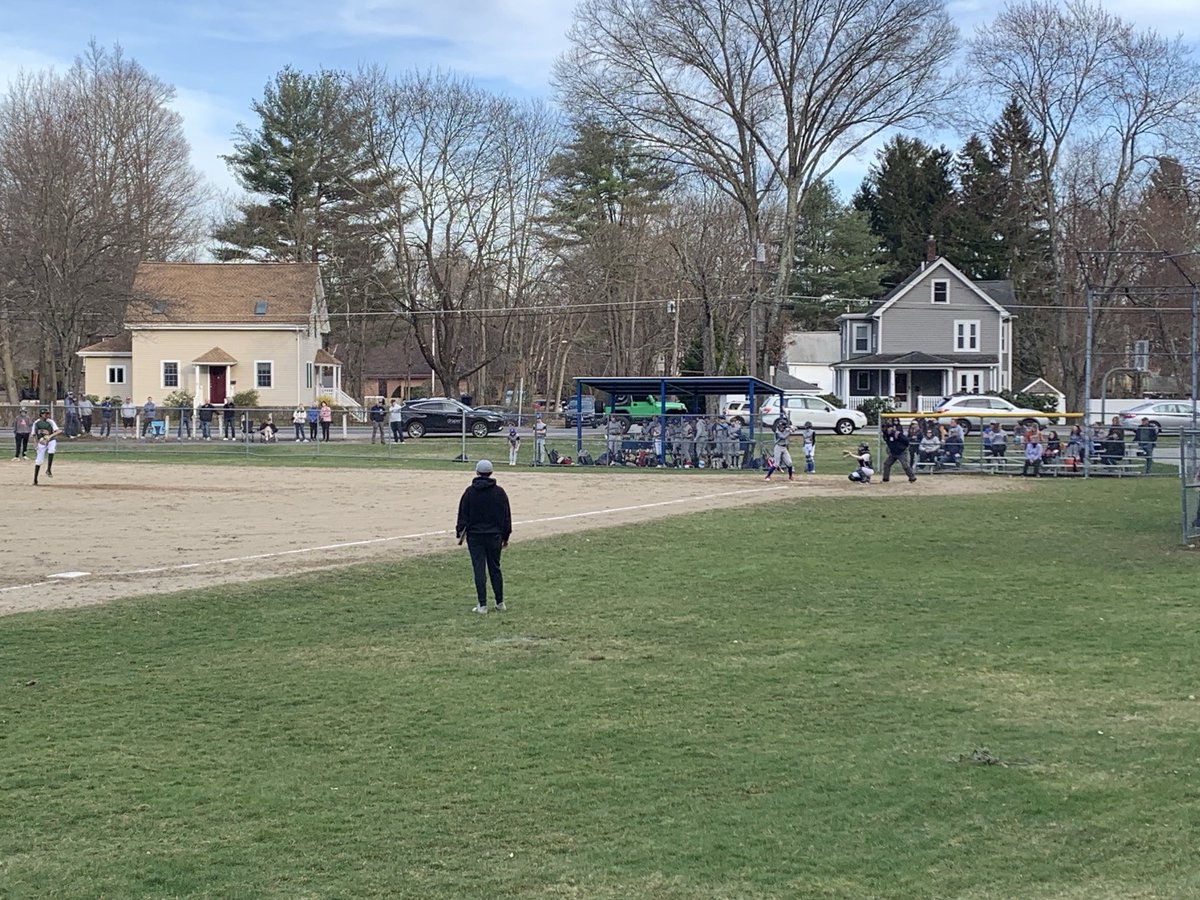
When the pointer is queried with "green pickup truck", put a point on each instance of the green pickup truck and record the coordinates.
(627, 409)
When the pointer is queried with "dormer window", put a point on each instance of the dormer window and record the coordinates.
(260, 308)
(941, 291)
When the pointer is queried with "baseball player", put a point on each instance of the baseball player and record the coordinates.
(539, 441)
(781, 458)
(44, 433)
(514, 443)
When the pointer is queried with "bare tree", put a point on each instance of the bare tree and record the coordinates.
(762, 97)
(460, 176)
(94, 176)
(1105, 101)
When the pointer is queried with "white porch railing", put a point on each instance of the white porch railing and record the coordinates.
(927, 404)
(352, 406)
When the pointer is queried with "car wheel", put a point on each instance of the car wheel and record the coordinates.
(624, 422)
(1156, 427)
(737, 420)
(415, 430)
(966, 425)
(844, 426)
(479, 429)
(1030, 423)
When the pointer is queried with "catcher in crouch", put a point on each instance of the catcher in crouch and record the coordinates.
(44, 433)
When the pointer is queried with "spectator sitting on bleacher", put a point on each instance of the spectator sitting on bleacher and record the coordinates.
(999, 442)
(1052, 447)
(930, 447)
(1075, 448)
(1034, 451)
(1113, 450)
(952, 449)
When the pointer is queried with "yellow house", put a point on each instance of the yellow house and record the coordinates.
(216, 329)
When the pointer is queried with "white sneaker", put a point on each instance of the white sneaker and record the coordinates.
(482, 610)
(500, 607)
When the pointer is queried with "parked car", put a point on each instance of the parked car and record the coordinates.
(974, 410)
(801, 408)
(442, 415)
(737, 411)
(586, 412)
(507, 412)
(1165, 415)
(627, 409)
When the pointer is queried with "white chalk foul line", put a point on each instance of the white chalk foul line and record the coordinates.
(343, 545)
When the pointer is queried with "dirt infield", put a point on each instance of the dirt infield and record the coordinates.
(97, 532)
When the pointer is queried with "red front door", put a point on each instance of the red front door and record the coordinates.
(216, 384)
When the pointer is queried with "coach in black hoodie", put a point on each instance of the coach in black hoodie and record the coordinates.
(485, 522)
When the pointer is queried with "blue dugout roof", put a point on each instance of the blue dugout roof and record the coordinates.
(680, 386)
(687, 388)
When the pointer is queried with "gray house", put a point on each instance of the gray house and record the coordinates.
(936, 333)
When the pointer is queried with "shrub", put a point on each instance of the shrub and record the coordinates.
(179, 399)
(873, 406)
(246, 399)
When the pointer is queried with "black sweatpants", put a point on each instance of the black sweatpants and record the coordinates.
(901, 458)
(22, 446)
(485, 561)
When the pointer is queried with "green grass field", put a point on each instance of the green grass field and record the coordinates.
(779, 701)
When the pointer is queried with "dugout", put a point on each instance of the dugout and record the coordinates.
(689, 390)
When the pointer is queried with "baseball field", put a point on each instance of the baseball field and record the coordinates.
(261, 681)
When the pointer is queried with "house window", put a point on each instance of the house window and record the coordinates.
(1003, 337)
(264, 374)
(116, 375)
(970, 381)
(941, 291)
(308, 375)
(966, 335)
(862, 382)
(170, 373)
(862, 337)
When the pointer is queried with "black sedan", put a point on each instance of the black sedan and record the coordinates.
(441, 415)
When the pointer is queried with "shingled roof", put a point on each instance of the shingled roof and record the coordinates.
(117, 344)
(225, 293)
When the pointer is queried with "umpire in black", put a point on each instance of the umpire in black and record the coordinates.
(897, 444)
(485, 523)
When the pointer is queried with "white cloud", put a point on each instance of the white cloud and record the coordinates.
(512, 40)
(17, 59)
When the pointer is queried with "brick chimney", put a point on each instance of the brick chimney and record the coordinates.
(930, 249)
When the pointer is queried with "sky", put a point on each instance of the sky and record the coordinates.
(219, 54)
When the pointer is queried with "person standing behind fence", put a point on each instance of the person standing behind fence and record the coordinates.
(22, 428)
(485, 523)
(313, 416)
(897, 445)
(86, 408)
(1145, 436)
(377, 415)
(128, 418)
(184, 428)
(228, 417)
(106, 417)
(326, 420)
(149, 411)
(71, 415)
(298, 424)
(205, 415)
(780, 457)
(395, 417)
(539, 440)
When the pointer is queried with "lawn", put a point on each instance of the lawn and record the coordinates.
(781, 701)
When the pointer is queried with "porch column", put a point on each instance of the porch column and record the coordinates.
(196, 392)
(891, 383)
